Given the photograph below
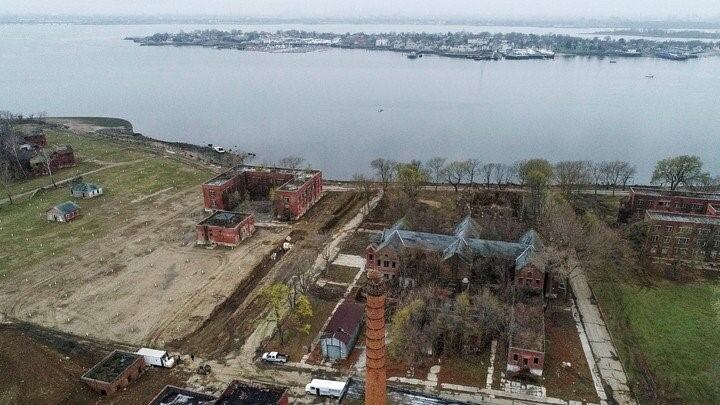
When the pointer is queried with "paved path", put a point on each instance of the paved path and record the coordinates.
(611, 370)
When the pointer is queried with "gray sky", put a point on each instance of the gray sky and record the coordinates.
(360, 8)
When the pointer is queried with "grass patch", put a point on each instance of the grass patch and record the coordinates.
(341, 274)
(295, 344)
(674, 328)
(470, 370)
(28, 238)
(96, 147)
(59, 175)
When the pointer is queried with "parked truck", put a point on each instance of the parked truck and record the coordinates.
(274, 357)
(158, 358)
(326, 388)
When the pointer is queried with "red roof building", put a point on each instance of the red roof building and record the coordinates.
(342, 331)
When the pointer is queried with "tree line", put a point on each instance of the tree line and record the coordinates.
(569, 175)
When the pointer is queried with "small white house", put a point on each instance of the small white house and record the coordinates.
(86, 190)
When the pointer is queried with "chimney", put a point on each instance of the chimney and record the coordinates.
(375, 389)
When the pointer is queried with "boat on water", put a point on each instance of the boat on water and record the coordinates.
(546, 53)
(672, 55)
(630, 53)
(613, 61)
(412, 55)
(650, 76)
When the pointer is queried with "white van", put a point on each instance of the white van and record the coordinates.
(159, 358)
(326, 388)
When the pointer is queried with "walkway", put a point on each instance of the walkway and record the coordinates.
(611, 370)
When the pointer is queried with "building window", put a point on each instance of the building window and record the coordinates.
(664, 251)
(668, 228)
(370, 256)
(525, 361)
(537, 281)
(386, 263)
(666, 240)
(515, 357)
(683, 241)
(536, 360)
(393, 265)
(378, 262)
(654, 238)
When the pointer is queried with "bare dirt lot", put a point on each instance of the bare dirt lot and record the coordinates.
(145, 282)
(39, 366)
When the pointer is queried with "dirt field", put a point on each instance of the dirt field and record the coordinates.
(146, 282)
(39, 366)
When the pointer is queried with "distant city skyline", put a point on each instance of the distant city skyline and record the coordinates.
(518, 9)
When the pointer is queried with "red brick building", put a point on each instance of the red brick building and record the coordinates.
(293, 191)
(644, 199)
(458, 252)
(116, 371)
(225, 228)
(60, 157)
(526, 350)
(691, 238)
(38, 141)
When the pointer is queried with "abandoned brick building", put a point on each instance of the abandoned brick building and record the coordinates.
(691, 238)
(116, 371)
(241, 393)
(172, 395)
(225, 228)
(459, 252)
(526, 347)
(688, 202)
(293, 191)
(60, 157)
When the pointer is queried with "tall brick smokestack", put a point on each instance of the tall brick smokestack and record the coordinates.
(375, 388)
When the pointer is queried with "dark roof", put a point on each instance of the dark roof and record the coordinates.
(681, 217)
(83, 187)
(171, 395)
(112, 366)
(676, 193)
(225, 219)
(239, 393)
(345, 321)
(67, 207)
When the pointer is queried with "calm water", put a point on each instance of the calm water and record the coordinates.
(324, 106)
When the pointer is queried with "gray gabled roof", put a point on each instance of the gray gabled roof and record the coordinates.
(463, 244)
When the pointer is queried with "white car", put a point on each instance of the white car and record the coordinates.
(327, 388)
(275, 357)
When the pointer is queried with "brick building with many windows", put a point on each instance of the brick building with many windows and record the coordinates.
(691, 238)
(689, 202)
(293, 191)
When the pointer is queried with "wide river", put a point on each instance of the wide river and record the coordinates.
(339, 109)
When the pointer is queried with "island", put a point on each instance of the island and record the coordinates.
(477, 46)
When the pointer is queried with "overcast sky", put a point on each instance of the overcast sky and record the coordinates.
(661, 9)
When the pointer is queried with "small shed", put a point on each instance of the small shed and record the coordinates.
(85, 190)
(64, 212)
(342, 331)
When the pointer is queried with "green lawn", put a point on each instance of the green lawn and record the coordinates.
(93, 147)
(27, 237)
(674, 327)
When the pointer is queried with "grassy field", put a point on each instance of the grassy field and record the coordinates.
(28, 238)
(673, 328)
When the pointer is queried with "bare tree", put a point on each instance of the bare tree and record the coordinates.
(473, 168)
(6, 177)
(366, 190)
(291, 162)
(436, 166)
(385, 170)
(455, 173)
(486, 171)
(627, 172)
(571, 174)
(48, 167)
(501, 173)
